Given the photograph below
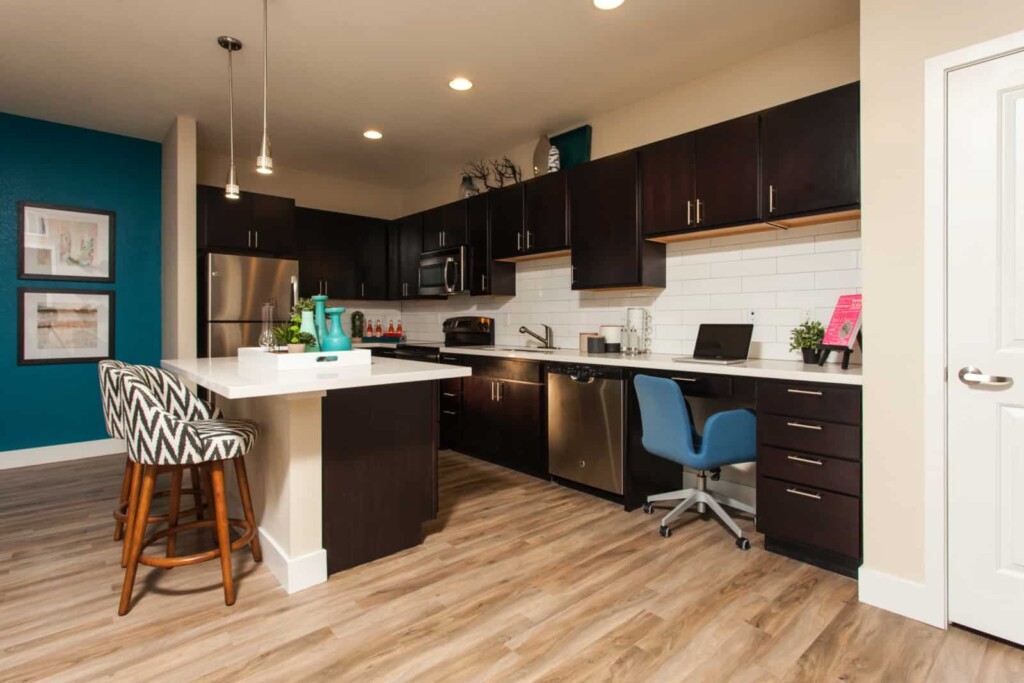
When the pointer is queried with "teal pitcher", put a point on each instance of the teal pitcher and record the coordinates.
(319, 301)
(336, 339)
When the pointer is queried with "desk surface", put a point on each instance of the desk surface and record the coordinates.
(830, 373)
(228, 378)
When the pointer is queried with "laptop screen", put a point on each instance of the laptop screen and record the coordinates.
(723, 342)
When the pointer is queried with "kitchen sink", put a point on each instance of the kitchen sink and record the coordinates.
(526, 349)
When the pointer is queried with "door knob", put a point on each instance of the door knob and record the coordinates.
(973, 376)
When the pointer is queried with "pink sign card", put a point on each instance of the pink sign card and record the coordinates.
(842, 329)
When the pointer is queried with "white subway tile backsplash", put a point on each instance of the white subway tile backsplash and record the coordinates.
(780, 276)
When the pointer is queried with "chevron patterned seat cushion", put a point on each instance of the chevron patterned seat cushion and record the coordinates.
(157, 437)
(110, 396)
(177, 398)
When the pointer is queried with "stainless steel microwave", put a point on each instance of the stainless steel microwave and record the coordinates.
(443, 272)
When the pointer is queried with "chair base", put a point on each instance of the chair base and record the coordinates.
(703, 499)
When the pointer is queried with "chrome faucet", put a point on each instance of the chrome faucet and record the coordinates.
(548, 340)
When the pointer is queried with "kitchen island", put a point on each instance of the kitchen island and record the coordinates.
(344, 470)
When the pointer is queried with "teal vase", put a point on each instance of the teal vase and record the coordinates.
(336, 339)
(320, 320)
(307, 325)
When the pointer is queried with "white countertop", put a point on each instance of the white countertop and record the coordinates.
(226, 377)
(830, 373)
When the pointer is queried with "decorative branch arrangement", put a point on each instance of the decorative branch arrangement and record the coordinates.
(502, 171)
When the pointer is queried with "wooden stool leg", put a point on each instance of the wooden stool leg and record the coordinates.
(220, 507)
(129, 517)
(197, 492)
(243, 492)
(204, 475)
(134, 540)
(122, 500)
(173, 506)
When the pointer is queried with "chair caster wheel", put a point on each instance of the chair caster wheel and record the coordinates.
(648, 509)
(742, 544)
(665, 531)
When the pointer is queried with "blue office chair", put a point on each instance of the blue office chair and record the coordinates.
(729, 438)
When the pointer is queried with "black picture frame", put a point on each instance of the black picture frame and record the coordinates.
(111, 303)
(23, 206)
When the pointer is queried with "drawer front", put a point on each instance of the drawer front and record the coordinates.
(812, 401)
(817, 471)
(451, 388)
(503, 368)
(809, 436)
(711, 386)
(808, 515)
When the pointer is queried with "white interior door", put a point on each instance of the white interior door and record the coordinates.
(985, 316)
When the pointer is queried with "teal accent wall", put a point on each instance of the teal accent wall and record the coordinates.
(45, 405)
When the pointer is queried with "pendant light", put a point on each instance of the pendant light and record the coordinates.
(264, 164)
(231, 45)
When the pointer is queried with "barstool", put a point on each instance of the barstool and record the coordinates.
(158, 441)
(189, 409)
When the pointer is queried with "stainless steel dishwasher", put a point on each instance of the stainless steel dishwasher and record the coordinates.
(586, 414)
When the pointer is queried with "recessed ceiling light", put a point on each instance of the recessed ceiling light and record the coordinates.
(607, 4)
(373, 135)
(460, 83)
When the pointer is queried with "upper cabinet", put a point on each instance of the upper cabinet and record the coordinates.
(485, 276)
(607, 247)
(405, 247)
(667, 197)
(726, 164)
(506, 215)
(445, 226)
(810, 155)
(257, 223)
(342, 256)
(545, 219)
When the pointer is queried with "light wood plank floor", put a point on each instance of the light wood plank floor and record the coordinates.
(518, 580)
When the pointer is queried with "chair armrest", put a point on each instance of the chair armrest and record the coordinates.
(730, 435)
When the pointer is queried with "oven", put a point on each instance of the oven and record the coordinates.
(443, 272)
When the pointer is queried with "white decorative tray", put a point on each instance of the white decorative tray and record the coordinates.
(256, 356)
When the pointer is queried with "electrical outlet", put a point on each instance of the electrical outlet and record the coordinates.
(750, 316)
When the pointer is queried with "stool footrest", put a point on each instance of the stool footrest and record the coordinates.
(249, 532)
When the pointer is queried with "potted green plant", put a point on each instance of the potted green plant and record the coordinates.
(302, 315)
(288, 334)
(807, 337)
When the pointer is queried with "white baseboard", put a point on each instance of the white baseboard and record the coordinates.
(293, 573)
(45, 455)
(896, 594)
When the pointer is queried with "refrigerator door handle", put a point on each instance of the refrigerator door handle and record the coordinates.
(295, 293)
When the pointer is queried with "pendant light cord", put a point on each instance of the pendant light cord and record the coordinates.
(266, 46)
(231, 106)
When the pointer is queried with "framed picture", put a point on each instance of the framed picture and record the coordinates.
(65, 243)
(65, 325)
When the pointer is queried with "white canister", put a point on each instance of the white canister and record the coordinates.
(612, 334)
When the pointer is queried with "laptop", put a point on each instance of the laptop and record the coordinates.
(721, 344)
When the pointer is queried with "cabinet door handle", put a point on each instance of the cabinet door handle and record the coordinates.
(501, 391)
(257, 238)
(573, 269)
(771, 199)
(448, 394)
(529, 239)
(250, 238)
(493, 391)
(519, 241)
(805, 494)
(483, 282)
(806, 461)
(689, 212)
(362, 289)
(685, 379)
(801, 425)
(699, 217)
(449, 412)
(804, 392)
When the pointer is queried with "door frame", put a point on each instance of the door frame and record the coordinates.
(932, 604)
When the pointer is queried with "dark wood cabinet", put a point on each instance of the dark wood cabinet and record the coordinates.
(309, 239)
(545, 223)
(727, 174)
(341, 255)
(668, 186)
(810, 154)
(506, 215)
(256, 223)
(486, 277)
(503, 414)
(607, 248)
(372, 257)
(405, 248)
(445, 226)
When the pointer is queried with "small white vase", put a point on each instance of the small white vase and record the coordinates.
(296, 348)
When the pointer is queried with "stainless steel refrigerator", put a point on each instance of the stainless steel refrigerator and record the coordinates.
(236, 289)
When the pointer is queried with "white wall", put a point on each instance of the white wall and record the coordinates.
(781, 277)
(178, 240)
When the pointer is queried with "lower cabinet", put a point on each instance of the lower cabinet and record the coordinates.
(502, 415)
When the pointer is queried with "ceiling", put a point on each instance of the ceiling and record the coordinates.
(338, 67)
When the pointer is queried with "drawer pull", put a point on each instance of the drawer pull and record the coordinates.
(801, 425)
(804, 392)
(805, 494)
(686, 379)
(449, 395)
(806, 461)
(449, 412)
